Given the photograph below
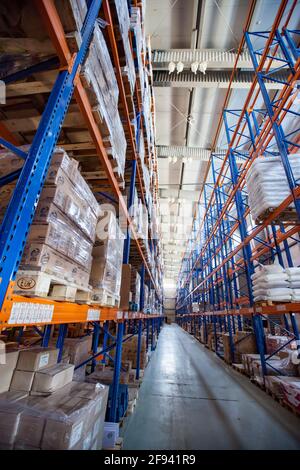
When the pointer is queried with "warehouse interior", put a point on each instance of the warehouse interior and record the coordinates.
(150, 225)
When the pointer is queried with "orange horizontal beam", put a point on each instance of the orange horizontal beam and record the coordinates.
(61, 312)
(276, 309)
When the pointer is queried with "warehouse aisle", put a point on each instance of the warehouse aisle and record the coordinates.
(190, 400)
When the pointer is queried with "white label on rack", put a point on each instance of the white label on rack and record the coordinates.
(125, 315)
(281, 308)
(23, 313)
(93, 315)
(119, 315)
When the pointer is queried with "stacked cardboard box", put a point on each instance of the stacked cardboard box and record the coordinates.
(129, 351)
(243, 343)
(78, 350)
(126, 57)
(72, 418)
(37, 372)
(275, 366)
(135, 287)
(107, 256)
(102, 88)
(274, 342)
(105, 375)
(62, 234)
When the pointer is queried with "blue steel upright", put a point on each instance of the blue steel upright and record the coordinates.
(116, 378)
(18, 217)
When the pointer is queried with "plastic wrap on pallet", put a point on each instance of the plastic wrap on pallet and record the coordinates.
(104, 275)
(124, 22)
(290, 391)
(61, 235)
(146, 298)
(142, 147)
(71, 418)
(39, 257)
(72, 202)
(147, 111)
(103, 91)
(10, 162)
(66, 187)
(272, 282)
(264, 174)
(275, 366)
(135, 22)
(274, 342)
(107, 255)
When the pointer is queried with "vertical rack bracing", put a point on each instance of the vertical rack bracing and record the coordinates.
(58, 100)
(231, 236)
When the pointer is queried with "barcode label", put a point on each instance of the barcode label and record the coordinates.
(119, 315)
(93, 314)
(23, 313)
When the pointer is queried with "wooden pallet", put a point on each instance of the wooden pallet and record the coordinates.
(41, 284)
(259, 383)
(118, 444)
(290, 407)
(288, 216)
(266, 303)
(131, 407)
(99, 297)
(273, 395)
(239, 368)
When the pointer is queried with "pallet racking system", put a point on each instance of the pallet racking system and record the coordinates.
(226, 244)
(17, 311)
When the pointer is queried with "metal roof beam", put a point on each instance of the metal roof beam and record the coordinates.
(213, 79)
(196, 153)
(215, 58)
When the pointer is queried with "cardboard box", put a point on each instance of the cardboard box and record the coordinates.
(7, 369)
(35, 359)
(12, 396)
(78, 349)
(30, 430)
(52, 378)
(125, 287)
(22, 380)
(9, 422)
(65, 429)
(110, 435)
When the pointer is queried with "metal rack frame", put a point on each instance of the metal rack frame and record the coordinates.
(225, 243)
(20, 212)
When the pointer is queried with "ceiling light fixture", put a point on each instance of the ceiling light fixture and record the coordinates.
(194, 67)
(180, 67)
(171, 67)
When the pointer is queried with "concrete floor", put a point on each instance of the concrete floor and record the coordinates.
(190, 399)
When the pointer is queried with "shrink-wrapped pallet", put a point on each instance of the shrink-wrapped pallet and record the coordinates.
(264, 175)
(124, 26)
(103, 92)
(274, 283)
(63, 229)
(271, 283)
(70, 419)
(107, 256)
(136, 26)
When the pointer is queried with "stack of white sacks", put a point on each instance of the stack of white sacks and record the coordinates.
(275, 283)
(267, 183)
